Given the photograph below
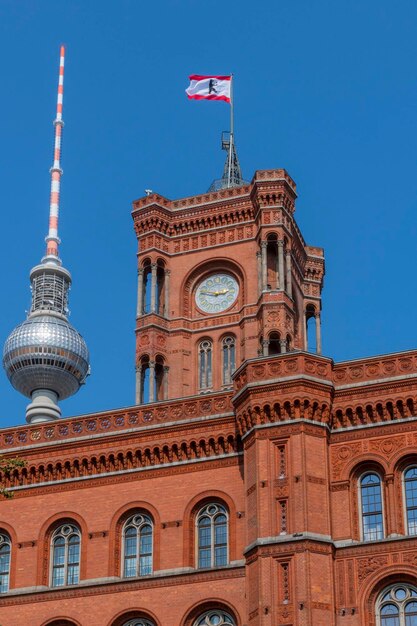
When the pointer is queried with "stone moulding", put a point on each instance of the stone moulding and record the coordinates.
(191, 408)
(114, 463)
(86, 589)
(300, 385)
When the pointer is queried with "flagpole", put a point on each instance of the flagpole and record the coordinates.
(231, 132)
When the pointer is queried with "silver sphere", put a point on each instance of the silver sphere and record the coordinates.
(46, 352)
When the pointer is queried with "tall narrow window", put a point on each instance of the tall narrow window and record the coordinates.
(229, 359)
(272, 278)
(144, 380)
(397, 606)
(205, 364)
(146, 294)
(153, 381)
(410, 487)
(212, 536)
(214, 618)
(160, 288)
(274, 346)
(65, 549)
(160, 373)
(371, 501)
(137, 546)
(5, 549)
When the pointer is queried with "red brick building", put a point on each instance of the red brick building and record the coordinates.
(256, 482)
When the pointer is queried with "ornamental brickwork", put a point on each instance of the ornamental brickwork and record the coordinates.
(276, 485)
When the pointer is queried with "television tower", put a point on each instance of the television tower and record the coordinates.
(45, 358)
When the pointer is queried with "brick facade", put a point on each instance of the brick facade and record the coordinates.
(282, 446)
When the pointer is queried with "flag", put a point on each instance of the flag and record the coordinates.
(209, 88)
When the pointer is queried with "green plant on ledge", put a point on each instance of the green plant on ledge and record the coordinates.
(6, 466)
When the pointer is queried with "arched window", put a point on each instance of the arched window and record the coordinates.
(144, 380)
(153, 380)
(205, 364)
(397, 606)
(214, 618)
(212, 536)
(5, 549)
(146, 293)
(410, 488)
(65, 556)
(160, 378)
(311, 339)
(274, 346)
(272, 276)
(229, 359)
(137, 546)
(154, 287)
(371, 506)
(160, 288)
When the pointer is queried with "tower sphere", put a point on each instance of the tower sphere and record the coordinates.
(46, 352)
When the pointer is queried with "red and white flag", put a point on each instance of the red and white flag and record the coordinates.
(209, 87)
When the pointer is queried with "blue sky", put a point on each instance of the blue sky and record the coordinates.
(326, 89)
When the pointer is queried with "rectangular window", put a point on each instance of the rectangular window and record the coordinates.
(204, 559)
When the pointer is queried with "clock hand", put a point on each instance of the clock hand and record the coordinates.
(214, 293)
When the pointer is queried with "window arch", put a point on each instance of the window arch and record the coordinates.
(410, 490)
(65, 556)
(139, 621)
(229, 358)
(214, 618)
(212, 536)
(5, 552)
(137, 553)
(371, 507)
(397, 606)
(61, 622)
(205, 361)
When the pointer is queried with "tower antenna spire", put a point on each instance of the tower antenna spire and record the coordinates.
(52, 239)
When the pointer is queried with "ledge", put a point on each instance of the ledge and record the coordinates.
(92, 587)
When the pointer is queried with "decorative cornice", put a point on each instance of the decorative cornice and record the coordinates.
(183, 410)
(109, 464)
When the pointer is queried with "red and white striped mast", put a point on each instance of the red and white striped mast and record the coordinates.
(52, 239)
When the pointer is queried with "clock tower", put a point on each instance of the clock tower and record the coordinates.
(223, 277)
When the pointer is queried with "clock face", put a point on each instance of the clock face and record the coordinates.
(216, 293)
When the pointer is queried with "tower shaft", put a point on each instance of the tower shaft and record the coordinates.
(52, 239)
